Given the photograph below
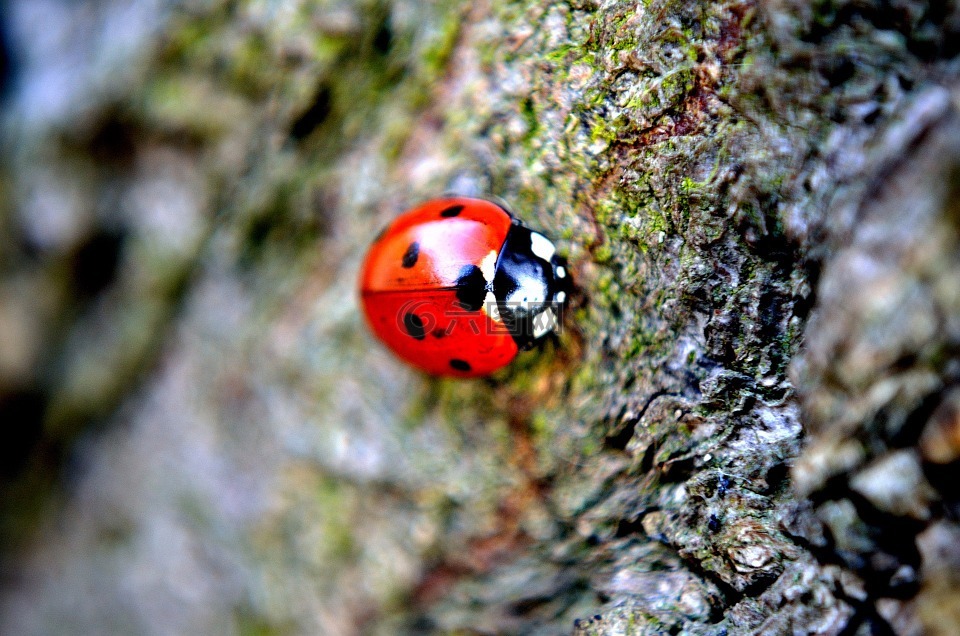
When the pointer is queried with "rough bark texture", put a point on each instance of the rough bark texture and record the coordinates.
(750, 424)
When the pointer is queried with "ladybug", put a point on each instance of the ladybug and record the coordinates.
(458, 286)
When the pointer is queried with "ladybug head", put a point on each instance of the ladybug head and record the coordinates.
(531, 285)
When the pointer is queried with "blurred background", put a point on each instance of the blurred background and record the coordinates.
(200, 436)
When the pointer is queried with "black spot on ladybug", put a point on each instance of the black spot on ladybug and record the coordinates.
(414, 326)
(460, 365)
(471, 288)
(411, 255)
(438, 333)
(452, 211)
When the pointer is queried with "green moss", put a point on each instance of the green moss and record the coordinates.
(249, 623)
(529, 113)
(436, 54)
(541, 426)
(603, 254)
(246, 73)
(638, 345)
(604, 211)
(340, 541)
(649, 99)
(677, 84)
(561, 53)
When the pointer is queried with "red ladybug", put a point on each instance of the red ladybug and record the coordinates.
(458, 286)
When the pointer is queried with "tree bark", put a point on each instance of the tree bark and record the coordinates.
(749, 424)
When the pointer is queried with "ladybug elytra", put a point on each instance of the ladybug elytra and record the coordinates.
(458, 286)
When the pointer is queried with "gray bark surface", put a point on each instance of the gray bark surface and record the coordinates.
(750, 423)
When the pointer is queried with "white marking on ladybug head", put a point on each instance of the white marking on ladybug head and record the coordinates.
(491, 308)
(529, 292)
(561, 296)
(542, 246)
(561, 272)
(488, 266)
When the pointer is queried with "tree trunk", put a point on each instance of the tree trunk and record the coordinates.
(750, 422)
